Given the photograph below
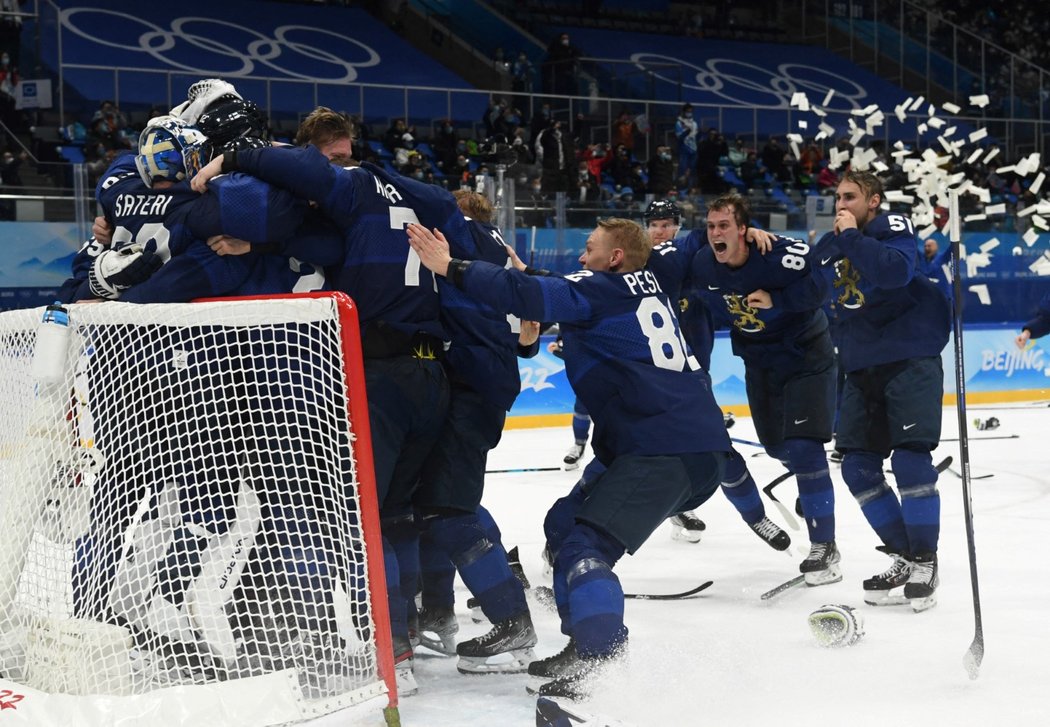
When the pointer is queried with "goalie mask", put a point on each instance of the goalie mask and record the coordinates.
(169, 150)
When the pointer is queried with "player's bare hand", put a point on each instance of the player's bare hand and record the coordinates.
(226, 245)
(102, 231)
(844, 220)
(529, 333)
(200, 180)
(1022, 339)
(762, 239)
(432, 248)
(760, 299)
(516, 262)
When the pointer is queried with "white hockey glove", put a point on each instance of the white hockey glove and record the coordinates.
(114, 271)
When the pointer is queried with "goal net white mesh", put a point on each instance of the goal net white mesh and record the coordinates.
(183, 508)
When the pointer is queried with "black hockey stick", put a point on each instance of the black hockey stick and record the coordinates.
(784, 512)
(971, 439)
(669, 596)
(522, 469)
(975, 654)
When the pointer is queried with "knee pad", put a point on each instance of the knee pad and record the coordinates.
(862, 472)
(736, 470)
(456, 534)
(587, 543)
(914, 471)
(561, 517)
(804, 455)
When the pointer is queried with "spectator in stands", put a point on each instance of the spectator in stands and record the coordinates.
(540, 120)
(114, 120)
(521, 147)
(773, 157)
(508, 122)
(737, 154)
(99, 133)
(809, 161)
(445, 146)
(521, 72)
(550, 147)
(395, 135)
(750, 174)
(709, 153)
(561, 66)
(586, 185)
(685, 132)
(492, 114)
(624, 130)
(619, 167)
(8, 91)
(827, 180)
(661, 171)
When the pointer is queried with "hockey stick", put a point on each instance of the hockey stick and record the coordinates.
(1029, 405)
(986, 476)
(785, 586)
(975, 654)
(522, 469)
(669, 596)
(748, 442)
(545, 595)
(784, 512)
(971, 439)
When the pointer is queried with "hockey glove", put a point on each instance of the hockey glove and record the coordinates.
(114, 271)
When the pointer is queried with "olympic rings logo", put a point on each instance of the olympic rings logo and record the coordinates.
(749, 84)
(203, 35)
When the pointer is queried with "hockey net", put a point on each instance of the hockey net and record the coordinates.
(192, 506)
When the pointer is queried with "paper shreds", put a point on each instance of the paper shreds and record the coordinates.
(990, 245)
(996, 209)
(982, 293)
(991, 155)
(978, 135)
(979, 101)
(950, 107)
(974, 217)
(1030, 236)
(828, 97)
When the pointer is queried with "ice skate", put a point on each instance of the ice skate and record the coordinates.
(687, 527)
(508, 645)
(565, 663)
(437, 630)
(573, 456)
(887, 588)
(404, 666)
(580, 673)
(771, 533)
(514, 561)
(921, 588)
(821, 566)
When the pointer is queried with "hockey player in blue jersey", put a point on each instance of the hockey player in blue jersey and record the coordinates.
(656, 425)
(1038, 327)
(399, 308)
(893, 325)
(671, 261)
(773, 305)
(482, 365)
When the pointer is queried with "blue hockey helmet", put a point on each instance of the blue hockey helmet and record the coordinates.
(169, 150)
(663, 209)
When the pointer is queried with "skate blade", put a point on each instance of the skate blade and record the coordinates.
(831, 574)
(510, 662)
(686, 536)
(446, 646)
(886, 598)
(918, 605)
(570, 467)
(407, 686)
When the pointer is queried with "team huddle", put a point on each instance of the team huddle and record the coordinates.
(840, 337)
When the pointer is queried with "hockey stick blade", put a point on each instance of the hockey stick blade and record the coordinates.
(785, 586)
(784, 512)
(768, 489)
(669, 596)
(957, 473)
(974, 656)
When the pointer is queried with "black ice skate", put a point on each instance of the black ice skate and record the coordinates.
(565, 663)
(508, 644)
(821, 566)
(921, 588)
(770, 532)
(887, 588)
(580, 675)
(437, 630)
(687, 527)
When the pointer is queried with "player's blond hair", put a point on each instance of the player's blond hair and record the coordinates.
(474, 205)
(868, 183)
(323, 126)
(629, 236)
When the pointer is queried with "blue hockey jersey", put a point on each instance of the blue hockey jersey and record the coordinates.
(888, 309)
(371, 207)
(624, 356)
(1040, 325)
(484, 350)
(766, 337)
(672, 261)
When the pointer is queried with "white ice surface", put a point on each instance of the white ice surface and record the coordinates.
(727, 658)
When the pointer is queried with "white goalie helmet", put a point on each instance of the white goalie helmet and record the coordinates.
(835, 626)
(200, 96)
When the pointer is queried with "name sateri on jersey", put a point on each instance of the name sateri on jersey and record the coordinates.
(141, 204)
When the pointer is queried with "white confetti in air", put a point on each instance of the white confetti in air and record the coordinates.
(996, 209)
(973, 157)
(803, 124)
(1030, 236)
(828, 97)
(991, 155)
(927, 231)
(1038, 183)
(982, 293)
(800, 100)
(990, 245)
(950, 107)
(936, 123)
(975, 217)
(918, 102)
(979, 101)
(979, 134)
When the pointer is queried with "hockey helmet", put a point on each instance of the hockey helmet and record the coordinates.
(663, 209)
(169, 150)
(233, 118)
